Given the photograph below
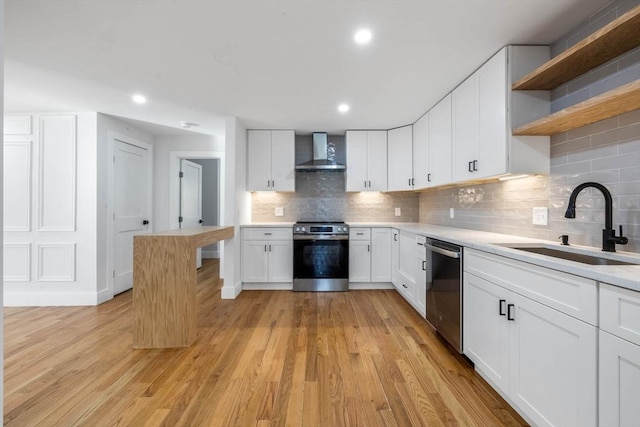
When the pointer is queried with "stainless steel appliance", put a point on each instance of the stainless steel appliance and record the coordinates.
(320, 256)
(444, 290)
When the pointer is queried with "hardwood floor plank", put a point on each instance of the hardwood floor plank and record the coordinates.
(267, 358)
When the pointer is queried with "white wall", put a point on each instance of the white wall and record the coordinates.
(237, 207)
(50, 242)
(1, 281)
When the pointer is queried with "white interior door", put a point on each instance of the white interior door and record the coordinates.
(191, 198)
(132, 166)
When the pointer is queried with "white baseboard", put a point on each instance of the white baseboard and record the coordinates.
(104, 296)
(375, 285)
(267, 286)
(50, 299)
(230, 292)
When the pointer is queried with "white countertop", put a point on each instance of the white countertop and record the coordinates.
(626, 276)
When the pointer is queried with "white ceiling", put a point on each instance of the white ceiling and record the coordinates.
(273, 64)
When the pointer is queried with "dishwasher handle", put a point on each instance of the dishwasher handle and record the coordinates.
(441, 251)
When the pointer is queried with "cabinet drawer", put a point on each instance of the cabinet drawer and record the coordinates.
(360, 234)
(267, 234)
(420, 241)
(572, 295)
(620, 312)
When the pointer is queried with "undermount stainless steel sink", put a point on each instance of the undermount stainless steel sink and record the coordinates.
(571, 256)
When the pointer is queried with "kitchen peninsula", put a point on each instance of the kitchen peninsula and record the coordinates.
(164, 291)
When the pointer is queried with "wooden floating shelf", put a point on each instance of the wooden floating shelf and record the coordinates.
(617, 101)
(612, 40)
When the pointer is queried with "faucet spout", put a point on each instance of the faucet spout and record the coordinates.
(609, 238)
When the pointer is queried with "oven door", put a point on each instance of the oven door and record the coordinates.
(320, 264)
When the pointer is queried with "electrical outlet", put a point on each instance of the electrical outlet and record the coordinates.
(398, 212)
(279, 211)
(451, 213)
(540, 216)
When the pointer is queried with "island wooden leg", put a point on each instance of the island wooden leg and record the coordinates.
(164, 292)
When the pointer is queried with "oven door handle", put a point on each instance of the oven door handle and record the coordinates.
(441, 251)
(316, 237)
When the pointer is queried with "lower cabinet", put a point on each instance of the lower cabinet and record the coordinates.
(619, 357)
(267, 255)
(409, 268)
(542, 360)
(370, 255)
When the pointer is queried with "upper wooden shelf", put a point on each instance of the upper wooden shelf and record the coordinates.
(617, 101)
(614, 39)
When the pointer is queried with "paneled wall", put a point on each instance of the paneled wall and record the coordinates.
(49, 243)
(607, 152)
(321, 196)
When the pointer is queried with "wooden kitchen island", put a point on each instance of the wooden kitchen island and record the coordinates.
(164, 285)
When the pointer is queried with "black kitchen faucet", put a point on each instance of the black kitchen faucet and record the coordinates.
(609, 238)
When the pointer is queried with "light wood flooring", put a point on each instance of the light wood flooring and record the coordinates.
(362, 358)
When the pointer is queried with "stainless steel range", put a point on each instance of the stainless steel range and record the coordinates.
(320, 256)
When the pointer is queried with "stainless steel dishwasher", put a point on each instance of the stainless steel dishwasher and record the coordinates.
(444, 290)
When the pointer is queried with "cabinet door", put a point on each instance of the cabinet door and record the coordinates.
(619, 382)
(492, 119)
(283, 160)
(380, 254)
(440, 143)
(377, 160)
(280, 261)
(464, 101)
(395, 254)
(421, 282)
(258, 160)
(553, 369)
(407, 255)
(360, 261)
(400, 159)
(255, 261)
(486, 329)
(421, 158)
(356, 174)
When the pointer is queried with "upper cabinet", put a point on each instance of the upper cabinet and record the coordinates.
(439, 171)
(400, 159)
(484, 111)
(612, 40)
(421, 157)
(271, 160)
(366, 160)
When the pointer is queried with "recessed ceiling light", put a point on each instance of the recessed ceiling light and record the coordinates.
(139, 99)
(188, 125)
(343, 108)
(363, 36)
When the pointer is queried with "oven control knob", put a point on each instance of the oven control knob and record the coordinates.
(302, 229)
(296, 229)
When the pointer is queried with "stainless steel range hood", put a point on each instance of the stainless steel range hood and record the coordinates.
(321, 158)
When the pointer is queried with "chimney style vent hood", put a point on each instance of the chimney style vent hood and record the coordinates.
(322, 160)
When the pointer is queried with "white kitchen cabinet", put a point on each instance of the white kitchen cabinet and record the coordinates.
(400, 159)
(267, 255)
(439, 155)
(541, 358)
(380, 255)
(421, 157)
(270, 160)
(370, 255)
(420, 268)
(395, 256)
(464, 101)
(407, 271)
(619, 357)
(484, 110)
(366, 160)
(359, 260)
